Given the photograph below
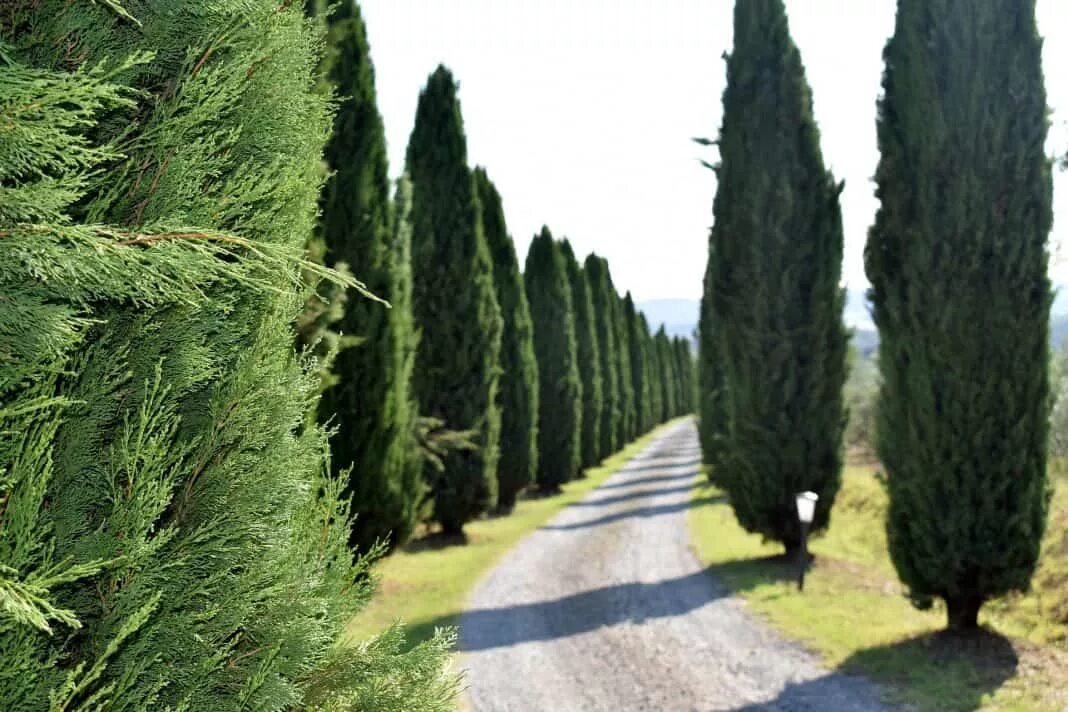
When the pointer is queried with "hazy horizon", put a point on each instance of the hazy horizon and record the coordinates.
(582, 112)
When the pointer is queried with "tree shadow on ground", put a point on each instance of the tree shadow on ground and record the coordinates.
(614, 499)
(490, 628)
(657, 465)
(435, 541)
(638, 512)
(688, 475)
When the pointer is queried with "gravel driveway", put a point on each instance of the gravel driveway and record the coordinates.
(606, 608)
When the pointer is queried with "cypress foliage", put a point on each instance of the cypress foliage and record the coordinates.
(684, 359)
(604, 298)
(668, 374)
(626, 430)
(589, 357)
(455, 306)
(560, 399)
(958, 265)
(655, 392)
(517, 392)
(638, 386)
(776, 301)
(712, 418)
(370, 407)
(169, 537)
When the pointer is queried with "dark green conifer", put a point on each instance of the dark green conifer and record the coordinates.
(712, 420)
(668, 374)
(687, 390)
(656, 385)
(638, 386)
(170, 538)
(626, 430)
(455, 306)
(958, 265)
(370, 406)
(560, 397)
(589, 357)
(517, 391)
(776, 300)
(604, 300)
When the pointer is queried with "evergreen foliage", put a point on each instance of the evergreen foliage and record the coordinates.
(668, 374)
(560, 398)
(776, 300)
(455, 306)
(517, 392)
(626, 429)
(958, 253)
(603, 296)
(169, 538)
(370, 406)
(589, 357)
(685, 366)
(638, 386)
(655, 388)
(712, 418)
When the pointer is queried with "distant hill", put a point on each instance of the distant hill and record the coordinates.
(680, 316)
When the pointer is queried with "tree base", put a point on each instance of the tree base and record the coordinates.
(962, 612)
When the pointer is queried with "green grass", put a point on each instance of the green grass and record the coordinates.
(854, 613)
(426, 583)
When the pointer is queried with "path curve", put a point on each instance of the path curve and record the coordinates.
(607, 608)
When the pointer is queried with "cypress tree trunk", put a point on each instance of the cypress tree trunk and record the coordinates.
(455, 306)
(517, 392)
(603, 296)
(169, 538)
(776, 301)
(958, 265)
(638, 387)
(370, 405)
(589, 358)
(560, 399)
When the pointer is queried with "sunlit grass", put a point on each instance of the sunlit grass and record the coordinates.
(854, 613)
(426, 584)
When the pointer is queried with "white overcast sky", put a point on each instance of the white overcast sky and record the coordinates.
(582, 112)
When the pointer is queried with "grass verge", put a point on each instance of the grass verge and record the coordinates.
(427, 582)
(854, 612)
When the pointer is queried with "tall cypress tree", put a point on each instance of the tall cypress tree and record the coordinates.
(604, 298)
(455, 306)
(589, 357)
(638, 386)
(776, 298)
(652, 372)
(958, 265)
(560, 409)
(169, 537)
(626, 429)
(370, 405)
(684, 359)
(517, 392)
(668, 371)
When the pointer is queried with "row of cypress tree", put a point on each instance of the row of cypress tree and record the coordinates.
(481, 380)
(957, 259)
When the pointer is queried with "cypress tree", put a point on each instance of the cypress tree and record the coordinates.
(370, 406)
(560, 398)
(169, 537)
(589, 357)
(668, 371)
(604, 298)
(638, 386)
(776, 298)
(684, 359)
(652, 375)
(627, 399)
(455, 306)
(712, 418)
(958, 265)
(517, 392)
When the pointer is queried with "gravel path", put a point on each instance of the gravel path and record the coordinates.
(606, 608)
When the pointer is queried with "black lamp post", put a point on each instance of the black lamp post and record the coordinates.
(806, 512)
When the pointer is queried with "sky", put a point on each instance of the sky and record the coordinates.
(583, 111)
